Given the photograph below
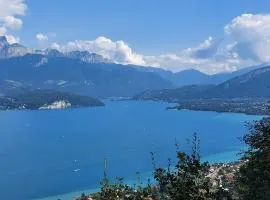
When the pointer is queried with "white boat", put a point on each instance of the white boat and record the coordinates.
(76, 170)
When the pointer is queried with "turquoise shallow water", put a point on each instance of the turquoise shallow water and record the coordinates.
(225, 157)
(47, 153)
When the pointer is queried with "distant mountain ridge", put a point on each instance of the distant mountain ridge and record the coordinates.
(72, 75)
(86, 56)
(83, 56)
(182, 78)
(16, 50)
(253, 84)
(86, 73)
(195, 77)
(79, 72)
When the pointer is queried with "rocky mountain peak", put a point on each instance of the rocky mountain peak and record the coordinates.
(11, 50)
(3, 40)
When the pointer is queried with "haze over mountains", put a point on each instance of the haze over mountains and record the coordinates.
(90, 74)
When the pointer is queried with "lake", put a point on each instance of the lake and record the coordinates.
(47, 153)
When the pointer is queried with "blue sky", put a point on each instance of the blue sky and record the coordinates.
(154, 30)
(152, 25)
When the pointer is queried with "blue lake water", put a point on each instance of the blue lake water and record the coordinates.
(39, 150)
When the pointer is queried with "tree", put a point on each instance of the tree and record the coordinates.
(253, 178)
(188, 181)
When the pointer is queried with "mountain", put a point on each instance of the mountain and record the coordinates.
(4, 45)
(195, 77)
(14, 50)
(52, 53)
(83, 56)
(253, 84)
(56, 72)
(186, 77)
(11, 50)
(222, 77)
(86, 56)
(86, 73)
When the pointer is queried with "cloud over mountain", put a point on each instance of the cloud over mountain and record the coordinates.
(246, 42)
(117, 51)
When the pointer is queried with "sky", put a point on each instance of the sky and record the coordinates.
(208, 35)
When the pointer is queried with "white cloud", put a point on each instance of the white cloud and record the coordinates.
(251, 35)
(41, 37)
(55, 46)
(117, 51)
(10, 13)
(12, 39)
(182, 61)
(206, 49)
(3, 31)
(204, 57)
(12, 8)
(12, 22)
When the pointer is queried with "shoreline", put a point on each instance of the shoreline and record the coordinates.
(216, 158)
(219, 112)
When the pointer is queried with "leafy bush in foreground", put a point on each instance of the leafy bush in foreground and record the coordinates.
(188, 180)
